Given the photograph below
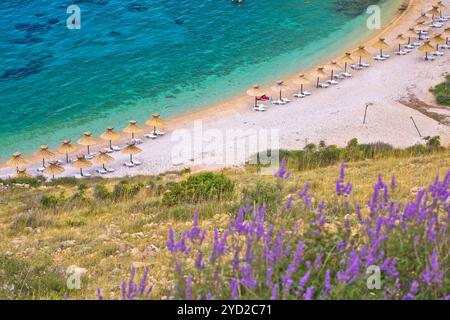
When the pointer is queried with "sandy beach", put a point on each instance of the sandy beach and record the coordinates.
(395, 90)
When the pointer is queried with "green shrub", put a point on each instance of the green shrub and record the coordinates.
(442, 92)
(201, 187)
(125, 189)
(101, 192)
(32, 182)
(23, 280)
(263, 193)
(49, 201)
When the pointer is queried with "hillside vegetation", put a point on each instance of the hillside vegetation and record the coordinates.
(309, 232)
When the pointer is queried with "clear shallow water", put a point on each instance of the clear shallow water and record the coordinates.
(134, 58)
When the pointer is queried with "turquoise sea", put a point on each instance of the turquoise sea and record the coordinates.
(134, 58)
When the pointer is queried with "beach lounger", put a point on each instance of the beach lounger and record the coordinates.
(285, 100)
(278, 102)
(346, 75)
(307, 93)
(159, 133)
(445, 46)
(424, 38)
(401, 53)
(333, 82)
(110, 170)
(128, 164)
(116, 148)
(410, 46)
(137, 162)
(416, 44)
(437, 53)
(429, 58)
(299, 95)
(150, 135)
(356, 67)
(259, 109)
(89, 157)
(379, 58)
(137, 141)
(101, 171)
(437, 25)
(324, 85)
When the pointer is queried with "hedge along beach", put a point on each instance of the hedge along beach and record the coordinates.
(334, 114)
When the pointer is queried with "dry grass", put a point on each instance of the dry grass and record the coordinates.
(106, 237)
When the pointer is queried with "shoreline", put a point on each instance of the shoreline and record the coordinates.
(232, 104)
(240, 104)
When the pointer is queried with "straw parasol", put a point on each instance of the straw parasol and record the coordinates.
(434, 11)
(22, 173)
(361, 52)
(427, 48)
(44, 153)
(132, 128)
(131, 149)
(421, 27)
(81, 163)
(66, 148)
(347, 58)
(400, 39)
(17, 161)
(447, 35)
(53, 169)
(424, 19)
(103, 158)
(441, 7)
(110, 135)
(280, 87)
(319, 73)
(381, 44)
(302, 80)
(333, 66)
(88, 140)
(437, 40)
(410, 33)
(255, 92)
(155, 122)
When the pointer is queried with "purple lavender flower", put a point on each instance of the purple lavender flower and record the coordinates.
(274, 292)
(432, 273)
(188, 287)
(234, 288)
(309, 294)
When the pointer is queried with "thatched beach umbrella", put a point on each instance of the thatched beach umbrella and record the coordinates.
(255, 92)
(280, 87)
(424, 19)
(411, 33)
(437, 40)
(22, 173)
(103, 158)
(347, 58)
(319, 73)
(400, 40)
(155, 122)
(333, 66)
(441, 7)
(17, 161)
(132, 128)
(67, 148)
(421, 27)
(53, 169)
(44, 153)
(88, 140)
(81, 163)
(381, 44)
(302, 80)
(131, 149)
(427, 48)
(361, 52)
(110, 135)
(434, 12)
(447, 35)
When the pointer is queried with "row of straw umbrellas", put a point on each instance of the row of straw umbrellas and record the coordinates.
(81, 162)
(356, 57)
